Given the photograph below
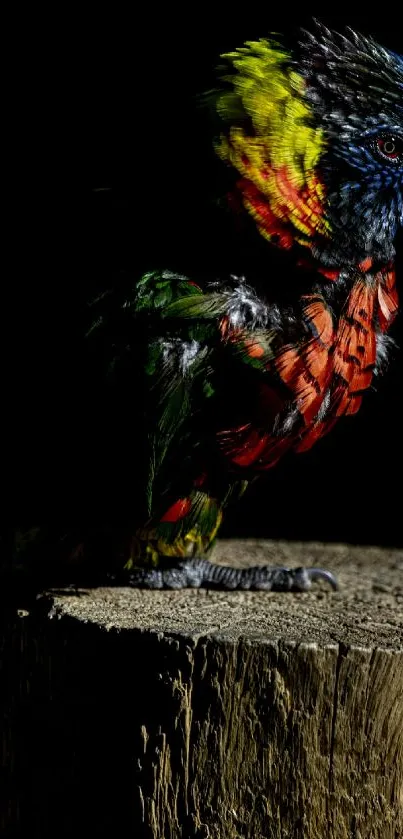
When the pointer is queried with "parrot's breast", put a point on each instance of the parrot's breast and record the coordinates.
(318, 379)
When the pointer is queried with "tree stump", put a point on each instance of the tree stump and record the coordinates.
(170, 715)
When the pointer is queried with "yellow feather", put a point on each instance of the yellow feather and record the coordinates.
(267, 90)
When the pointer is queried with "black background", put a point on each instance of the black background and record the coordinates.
(110, 101)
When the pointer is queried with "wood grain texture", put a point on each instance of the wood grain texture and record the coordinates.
(170, 715)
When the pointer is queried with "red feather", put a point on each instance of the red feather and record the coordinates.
(177, 511)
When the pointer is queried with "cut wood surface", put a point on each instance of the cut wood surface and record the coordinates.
(212, 714)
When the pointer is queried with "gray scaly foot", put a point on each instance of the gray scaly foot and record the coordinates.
(194, 573)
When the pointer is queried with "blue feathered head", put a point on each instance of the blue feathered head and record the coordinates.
(355, 89)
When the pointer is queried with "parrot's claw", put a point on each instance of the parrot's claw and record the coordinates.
(304, 577)
(194, 573)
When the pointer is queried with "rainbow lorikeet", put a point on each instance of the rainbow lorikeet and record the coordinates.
(314, 140)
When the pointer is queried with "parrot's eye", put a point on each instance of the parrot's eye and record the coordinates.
(389, 147)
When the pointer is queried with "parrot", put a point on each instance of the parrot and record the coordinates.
(232, 374)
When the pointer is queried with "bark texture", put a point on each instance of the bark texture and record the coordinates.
(171, 715)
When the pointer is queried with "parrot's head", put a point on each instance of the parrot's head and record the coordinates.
(316, 140)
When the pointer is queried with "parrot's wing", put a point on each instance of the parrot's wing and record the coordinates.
(159, 338)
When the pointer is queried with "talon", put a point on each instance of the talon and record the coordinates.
(143, 578)
(304, 577)
(323, 574)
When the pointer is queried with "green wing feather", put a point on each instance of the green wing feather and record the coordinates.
(164, 331)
